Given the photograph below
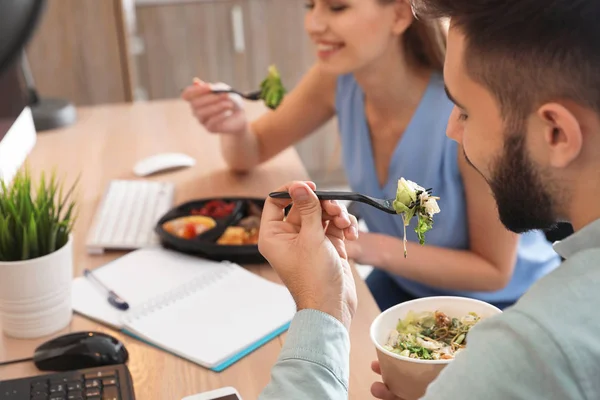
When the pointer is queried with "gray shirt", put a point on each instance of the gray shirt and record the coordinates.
(547, 346)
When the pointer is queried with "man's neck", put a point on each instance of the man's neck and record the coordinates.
(584, 207)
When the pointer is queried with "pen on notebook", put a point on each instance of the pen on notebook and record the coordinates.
(113, 298)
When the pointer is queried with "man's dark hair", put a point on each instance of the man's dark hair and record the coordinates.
(527, 52)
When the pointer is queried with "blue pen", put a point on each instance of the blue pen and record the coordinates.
(113, 298)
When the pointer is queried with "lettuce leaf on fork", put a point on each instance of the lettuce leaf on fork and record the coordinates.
(413, 200)
(272, 89)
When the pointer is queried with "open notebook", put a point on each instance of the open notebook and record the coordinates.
(210, 313)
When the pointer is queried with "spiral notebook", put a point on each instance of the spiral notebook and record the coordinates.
(211, 313)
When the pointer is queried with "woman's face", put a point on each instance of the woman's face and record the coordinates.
(350, 34)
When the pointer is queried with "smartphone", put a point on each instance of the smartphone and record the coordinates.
(226, 393)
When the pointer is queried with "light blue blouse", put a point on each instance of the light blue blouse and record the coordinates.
(426, 156)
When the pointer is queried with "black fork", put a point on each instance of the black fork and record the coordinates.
(385, 205)
(248, 96)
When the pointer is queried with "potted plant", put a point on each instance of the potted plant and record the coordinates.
(36, 259)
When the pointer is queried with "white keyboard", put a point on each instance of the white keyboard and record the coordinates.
(127, 215)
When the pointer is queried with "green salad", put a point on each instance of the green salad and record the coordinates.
(272, 90)
(430, 335)
(413, 200)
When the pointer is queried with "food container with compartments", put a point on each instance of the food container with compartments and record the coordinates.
(215, 228)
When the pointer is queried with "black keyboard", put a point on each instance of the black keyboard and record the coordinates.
(101, 383)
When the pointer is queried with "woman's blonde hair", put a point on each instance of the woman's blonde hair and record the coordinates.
(424, 42)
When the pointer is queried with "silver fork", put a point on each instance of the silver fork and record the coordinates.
(248, 96)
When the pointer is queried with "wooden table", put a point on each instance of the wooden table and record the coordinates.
(104, 145)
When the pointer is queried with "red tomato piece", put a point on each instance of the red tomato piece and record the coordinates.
(189, 231)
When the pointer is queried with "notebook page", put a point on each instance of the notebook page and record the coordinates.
(136, 277)
(217, 321)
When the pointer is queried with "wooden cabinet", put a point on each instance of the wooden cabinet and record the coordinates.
(183, 41)
(232, 41)
(78, 53)
(276, 36)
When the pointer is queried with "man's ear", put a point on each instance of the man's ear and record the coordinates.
(404, 16)
(563, 133)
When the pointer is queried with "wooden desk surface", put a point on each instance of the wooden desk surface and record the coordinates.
(104, 145)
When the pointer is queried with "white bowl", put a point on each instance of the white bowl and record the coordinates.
(406, 377)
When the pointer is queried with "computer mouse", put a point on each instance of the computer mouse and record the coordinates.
(80, 350)
(162, 162)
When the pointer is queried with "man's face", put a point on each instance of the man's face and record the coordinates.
(500, 155)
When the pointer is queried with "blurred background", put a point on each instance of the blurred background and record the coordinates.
(94, 52)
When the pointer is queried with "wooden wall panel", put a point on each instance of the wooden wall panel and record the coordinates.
(186, 39)
(76, 53)
(277, 36)
(189, 40)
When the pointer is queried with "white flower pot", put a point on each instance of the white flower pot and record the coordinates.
(35, 295)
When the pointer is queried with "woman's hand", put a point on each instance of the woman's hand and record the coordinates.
(368, 249)
(355, 251)
(217, 112)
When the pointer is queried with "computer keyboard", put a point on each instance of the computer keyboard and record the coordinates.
(101, 383)
(127, 214)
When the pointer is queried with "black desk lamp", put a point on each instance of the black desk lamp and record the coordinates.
(18, 21)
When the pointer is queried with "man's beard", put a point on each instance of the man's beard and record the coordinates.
(523, 202)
